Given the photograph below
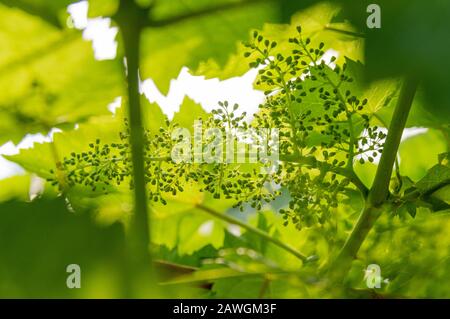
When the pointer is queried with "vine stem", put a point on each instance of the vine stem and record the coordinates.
(253, 230)
(380, 190)
(129, 18)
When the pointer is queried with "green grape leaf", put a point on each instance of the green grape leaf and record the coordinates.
(181, 224)
(431, 191)
(188, 113)
(102, 8)
(246, 287)
(318, 23)
(206, 276)
(167, 49)
(435, 185)
(425, 148)
(185, 33)
(411, 209)
(366, 172)
(419, 115)
(424, 54)
(42, 158)
(276, 286)
(443, 195)
(153, 117)
(49, 11)
(16, 187)
(49, 77)
(437, 175)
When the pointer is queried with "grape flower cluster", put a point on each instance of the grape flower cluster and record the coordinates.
(319, 121)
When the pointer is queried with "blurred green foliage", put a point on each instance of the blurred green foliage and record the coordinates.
(49, 78)
(40, 239)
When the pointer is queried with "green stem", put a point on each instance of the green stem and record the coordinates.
(398, 175)
(380, 189)
(61, 177)
(129, 17)
(253, 230)
(346, 32)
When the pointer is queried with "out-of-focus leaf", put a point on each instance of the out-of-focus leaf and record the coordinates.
(105, 8)
(408, 45)
(153, 116)
(208, 275)
(16, 187)
(42, 158)
(49, 77)
(419, 115)
(49, 11)
(432, 191)
(443, 194)
(39, 240)
(418, 153)
(189, 32)
(188, 42)
(270, 286)
(181, 224)
(437, 175)
(395, 245)
(188, 113)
